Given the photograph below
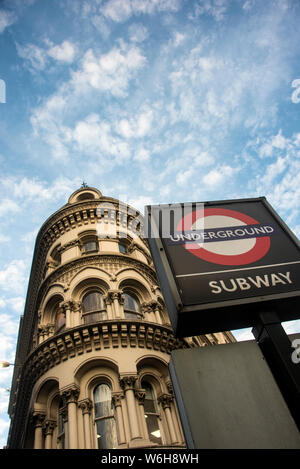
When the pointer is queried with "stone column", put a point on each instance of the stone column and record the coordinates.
(67, 310)
(116, 400)
(71, 395)
(108, 302)
(86, 406)
(49, 426)
(76, 317)
(157, 312)
(38, 421)
(115, 296)
(165, 400)
(140, 395)
(127, 384)
(148, 312)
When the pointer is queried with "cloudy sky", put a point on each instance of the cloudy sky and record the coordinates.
(151, 101)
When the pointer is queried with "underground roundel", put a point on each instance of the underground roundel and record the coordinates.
(230, 237)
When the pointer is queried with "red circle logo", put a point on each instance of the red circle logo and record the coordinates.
(229, 252)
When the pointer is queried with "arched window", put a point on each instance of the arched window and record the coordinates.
(90, 244)
(60, 320)
(94, 308)
(151, 414)
(132, 308)
(104, 418)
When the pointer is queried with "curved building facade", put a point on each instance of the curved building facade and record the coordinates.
(91, 368)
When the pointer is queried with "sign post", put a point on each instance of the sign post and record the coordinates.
(276, 348)
(229, 265)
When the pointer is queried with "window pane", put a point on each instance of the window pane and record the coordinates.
(149, 402)
(93, 302)
(106, 433)
(153, 429)
(90, 246)
(130, 315)
(131, 304)
(60, 320)
(94, 317)
(122, 248)
(102, 401)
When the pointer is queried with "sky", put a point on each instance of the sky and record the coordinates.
(150, 101)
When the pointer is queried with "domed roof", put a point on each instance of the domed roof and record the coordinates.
(84, 193)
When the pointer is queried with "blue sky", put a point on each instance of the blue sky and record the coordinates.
(151, 101)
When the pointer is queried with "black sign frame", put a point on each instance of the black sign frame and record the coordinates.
(232, 313)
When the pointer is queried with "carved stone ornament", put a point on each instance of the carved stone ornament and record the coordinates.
(70, 394)
(38, 418)
(128, 382)
(165, 400)
(49, 426)
(86, 406)
(117, 398)
(140, 394)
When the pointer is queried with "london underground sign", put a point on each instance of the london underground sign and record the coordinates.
(220, 263)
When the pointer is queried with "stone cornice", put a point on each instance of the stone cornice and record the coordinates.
(83, 213)
(97, 260)
(99, 336)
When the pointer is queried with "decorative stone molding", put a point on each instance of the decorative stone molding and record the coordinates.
(100, 336)
(170, 388)
(140, 395)
(49, 426)
(71, 244)
(128, 382)
(86, 406)
(165, 400)
(38, 418)
(117, 398)
(70, 394)
(112, 262)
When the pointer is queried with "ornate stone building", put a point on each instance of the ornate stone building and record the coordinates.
(91, 368)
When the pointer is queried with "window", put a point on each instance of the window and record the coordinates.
(151, 414)
(90, 245)
(56, 256)
(104, 418)
(61, 426)
(132, 309)
(123, 248)
(94, 308)
(60, 321)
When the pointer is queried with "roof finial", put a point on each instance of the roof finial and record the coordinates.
(84, 184)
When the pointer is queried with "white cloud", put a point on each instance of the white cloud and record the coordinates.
(65, 52)
(138, 32)
(35, 55)
(136, 127)
(13, 277)
(214, 8)
(273, 170)
(217, 176)
(110, 72)
(95, 137)
(38, 57)
(7, 18)
(121, 10)
(8, 206)
(142, 155)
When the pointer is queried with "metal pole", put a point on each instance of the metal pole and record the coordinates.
(277, 350)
